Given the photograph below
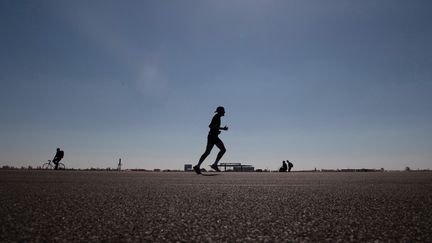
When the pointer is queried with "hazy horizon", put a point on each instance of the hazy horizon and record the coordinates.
(335, 84)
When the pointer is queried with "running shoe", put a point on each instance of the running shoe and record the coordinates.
(215, 167)
(197, 170)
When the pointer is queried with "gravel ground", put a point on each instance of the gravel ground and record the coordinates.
(70, 206)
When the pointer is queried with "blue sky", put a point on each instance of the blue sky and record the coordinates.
(326, 84)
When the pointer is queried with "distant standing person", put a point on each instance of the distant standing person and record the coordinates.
(58, 156)
(213, 139)
(119, 165)
(290, 165)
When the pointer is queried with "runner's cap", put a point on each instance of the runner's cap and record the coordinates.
(220, 109)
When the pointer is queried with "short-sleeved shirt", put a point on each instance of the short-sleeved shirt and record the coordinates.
(215, 125)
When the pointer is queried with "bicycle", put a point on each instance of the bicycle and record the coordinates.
(50, 165)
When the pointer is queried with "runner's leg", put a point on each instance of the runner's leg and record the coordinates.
(209, 147)
(222, 151)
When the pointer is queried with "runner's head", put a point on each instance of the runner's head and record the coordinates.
(220, 110)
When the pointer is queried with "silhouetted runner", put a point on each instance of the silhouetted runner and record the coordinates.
(213, 139)
(58, 156)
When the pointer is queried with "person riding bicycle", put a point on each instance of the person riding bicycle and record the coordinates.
(58, 156)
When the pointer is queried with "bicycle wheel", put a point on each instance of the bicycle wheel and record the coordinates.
(61, 166)
(47, 166)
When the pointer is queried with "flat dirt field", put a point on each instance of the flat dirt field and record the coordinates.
(70, 206)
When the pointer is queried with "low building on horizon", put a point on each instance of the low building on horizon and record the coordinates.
(188, 167)
(236, 167)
